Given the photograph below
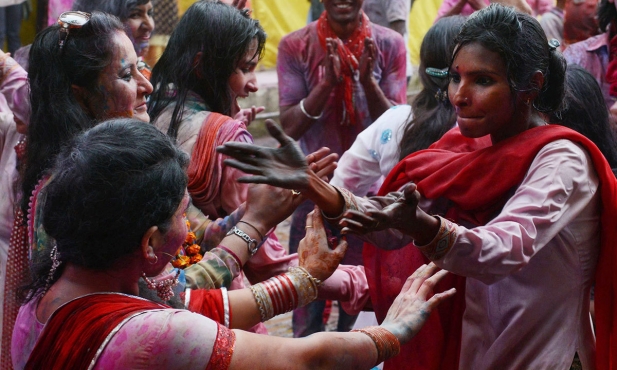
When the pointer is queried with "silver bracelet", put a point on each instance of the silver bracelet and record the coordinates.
(306, 113)
(252, 244)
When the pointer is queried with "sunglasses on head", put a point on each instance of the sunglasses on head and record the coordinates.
(71, 20)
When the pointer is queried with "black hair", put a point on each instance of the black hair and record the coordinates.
(432, 113)
(520, 41)
(585, 111)
(120, 8)
(109, 185)
(607, 14)
(223, 35)
(57, 115)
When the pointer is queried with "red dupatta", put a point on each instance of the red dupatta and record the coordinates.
(204, 171)
(75, 333)
(478, 183)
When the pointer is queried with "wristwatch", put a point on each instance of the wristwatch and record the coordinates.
(252, 244)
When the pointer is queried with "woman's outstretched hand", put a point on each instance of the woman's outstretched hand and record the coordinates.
(314, 254)
(412, 306)
(284, 166)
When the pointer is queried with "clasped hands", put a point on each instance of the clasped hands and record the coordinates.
(333, 74)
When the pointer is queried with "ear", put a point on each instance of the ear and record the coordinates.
(197, 63)
(81, 95)
(537, 82)
(150, 241)
(535, 85)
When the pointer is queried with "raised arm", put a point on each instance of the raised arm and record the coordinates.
(354, 350)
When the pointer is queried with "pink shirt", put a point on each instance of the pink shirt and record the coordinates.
(530, 269)
(300, 56)
(592, 54)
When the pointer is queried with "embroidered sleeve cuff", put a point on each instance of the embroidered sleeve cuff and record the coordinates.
(443, 241)
(350, 203)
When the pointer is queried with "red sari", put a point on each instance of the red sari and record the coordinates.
(447, 170)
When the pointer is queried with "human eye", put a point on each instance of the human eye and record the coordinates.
(134, 14)
(484, 80)
(126, 75)
(454, 77)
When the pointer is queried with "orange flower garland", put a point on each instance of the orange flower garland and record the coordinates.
(189, 253)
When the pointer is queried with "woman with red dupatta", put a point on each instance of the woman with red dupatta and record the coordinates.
(522, 210)
(114, 207)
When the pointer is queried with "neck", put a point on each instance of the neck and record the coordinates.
(77, 281)
(345, 30)
(530, 118)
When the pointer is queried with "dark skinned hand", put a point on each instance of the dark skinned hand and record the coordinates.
(332, 62)
(284, 167)
(398, 215)
(367, 60)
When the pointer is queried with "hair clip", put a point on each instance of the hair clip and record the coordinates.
(438, 73)
(553, 44)
(441, 96)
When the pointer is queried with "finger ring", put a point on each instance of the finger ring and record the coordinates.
(295, 192)
(308, 227)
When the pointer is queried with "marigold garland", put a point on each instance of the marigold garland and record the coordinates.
(189, 253)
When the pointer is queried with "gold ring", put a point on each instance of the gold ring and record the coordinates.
(306, 227)
(295, 192)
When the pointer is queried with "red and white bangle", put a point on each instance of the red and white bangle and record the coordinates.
(285, 292)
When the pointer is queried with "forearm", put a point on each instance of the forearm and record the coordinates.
(377, 101)
(325, 196)
(295, 122)
(319, 351)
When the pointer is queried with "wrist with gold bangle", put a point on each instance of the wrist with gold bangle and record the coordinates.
(285, 292)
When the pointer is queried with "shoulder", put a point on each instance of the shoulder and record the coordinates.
(386, 36)
(566, 162)
(299, 37)
(577, 52)
(164, 339)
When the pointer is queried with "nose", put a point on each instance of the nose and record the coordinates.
(457, 92)
(148, 23)
(251, 84)
(143, 85)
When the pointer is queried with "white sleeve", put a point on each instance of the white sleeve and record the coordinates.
(374, 152)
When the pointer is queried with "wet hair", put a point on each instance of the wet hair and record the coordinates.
(585, 111)
(430, 116)
(109, 185)
(57, 115)
(520, 41)
(223, 35)
(120, 8)
(607, 14)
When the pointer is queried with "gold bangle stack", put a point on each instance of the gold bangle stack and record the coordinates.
(387, 343)
(285, 292)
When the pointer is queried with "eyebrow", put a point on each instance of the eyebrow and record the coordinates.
(476, 72)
